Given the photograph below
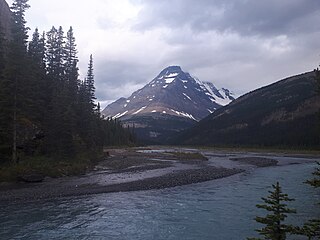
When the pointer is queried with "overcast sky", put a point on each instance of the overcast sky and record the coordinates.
(237, 44)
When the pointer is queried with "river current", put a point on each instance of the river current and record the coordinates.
(220, 209)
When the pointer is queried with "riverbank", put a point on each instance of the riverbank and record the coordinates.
(144, 169)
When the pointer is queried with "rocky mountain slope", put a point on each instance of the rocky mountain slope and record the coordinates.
(173, 101)
(5, 19)
(285, 113)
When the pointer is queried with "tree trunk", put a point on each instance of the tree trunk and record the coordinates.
(14, 143)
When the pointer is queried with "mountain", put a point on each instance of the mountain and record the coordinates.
(285, 113)
(5, 19)
(171, 102)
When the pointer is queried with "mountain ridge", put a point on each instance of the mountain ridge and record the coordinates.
(284, 113)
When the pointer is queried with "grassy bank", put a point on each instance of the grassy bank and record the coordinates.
(284, 150)
(50, 167)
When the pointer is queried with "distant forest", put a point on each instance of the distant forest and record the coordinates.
(45, 109)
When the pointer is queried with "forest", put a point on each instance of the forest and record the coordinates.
(46, 110)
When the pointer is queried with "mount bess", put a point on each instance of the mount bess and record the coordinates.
(172, 92)
(171, 102)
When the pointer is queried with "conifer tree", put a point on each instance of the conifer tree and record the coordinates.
(17, 85)
(3, 44)
(315, 182)
(56, 53)
(89, 84)
(36, 51)
(71, 61)
(5, 136)
(60, 115)
(311, 228)
(275, 229)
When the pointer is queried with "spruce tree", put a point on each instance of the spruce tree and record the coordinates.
(59, 134)
(37, 49)
(275, 229)
(5, 135)
(315, 182)
(89, 84)
(88, 125)
(71, 61)
(311, 228)
(36, 52)
(17, 85)
(56, 53)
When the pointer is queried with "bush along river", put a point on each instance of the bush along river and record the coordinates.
(218, 209)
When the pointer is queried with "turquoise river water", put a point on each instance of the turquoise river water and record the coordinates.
(220, 209)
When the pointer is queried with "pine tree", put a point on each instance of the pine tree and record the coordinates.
(275, 229)
(56, 53)
(315, 182)
(71, 61)
(88, 123)
(311, 229)
(5, 136)
(3, 44)
(37, 49)
(17, 85)
(89, 84)
(36, 52)
(317, 78)
(60, 116)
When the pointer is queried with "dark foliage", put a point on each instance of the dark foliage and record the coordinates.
(275, 229)
(45, 108)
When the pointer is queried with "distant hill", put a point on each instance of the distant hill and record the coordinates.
(285, 113)
(171, 102)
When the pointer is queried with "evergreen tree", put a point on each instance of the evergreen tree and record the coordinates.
(37, 73)
(71, 69)
(315, 182)
(275, 229)
(60, 117)
(311, 228)
(56, 53)
(3, 44)
(16, 86)
(37, 49)
(317, 78)
(89, 84)
(41, 96)
(88, 122)
(5, 135)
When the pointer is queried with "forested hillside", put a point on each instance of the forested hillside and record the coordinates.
(283, 114)
(45, 109)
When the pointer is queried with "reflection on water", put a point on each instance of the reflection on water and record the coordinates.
(221, 209)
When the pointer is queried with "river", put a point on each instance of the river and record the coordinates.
(220, 209)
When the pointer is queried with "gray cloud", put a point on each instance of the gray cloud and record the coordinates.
(238, 44)
(115, 79)
(246, 17)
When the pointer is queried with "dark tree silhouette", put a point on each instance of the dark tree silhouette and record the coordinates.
(275, 229)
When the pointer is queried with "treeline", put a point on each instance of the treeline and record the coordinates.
(45, 108)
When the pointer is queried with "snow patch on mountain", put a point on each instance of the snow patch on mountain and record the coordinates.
(119, 115)
(187, 96)
(141, 109)
(172, 92)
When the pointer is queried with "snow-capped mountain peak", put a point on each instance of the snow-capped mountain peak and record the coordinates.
(172, 92)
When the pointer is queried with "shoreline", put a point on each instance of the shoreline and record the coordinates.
(180, 178)
(132, 170)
